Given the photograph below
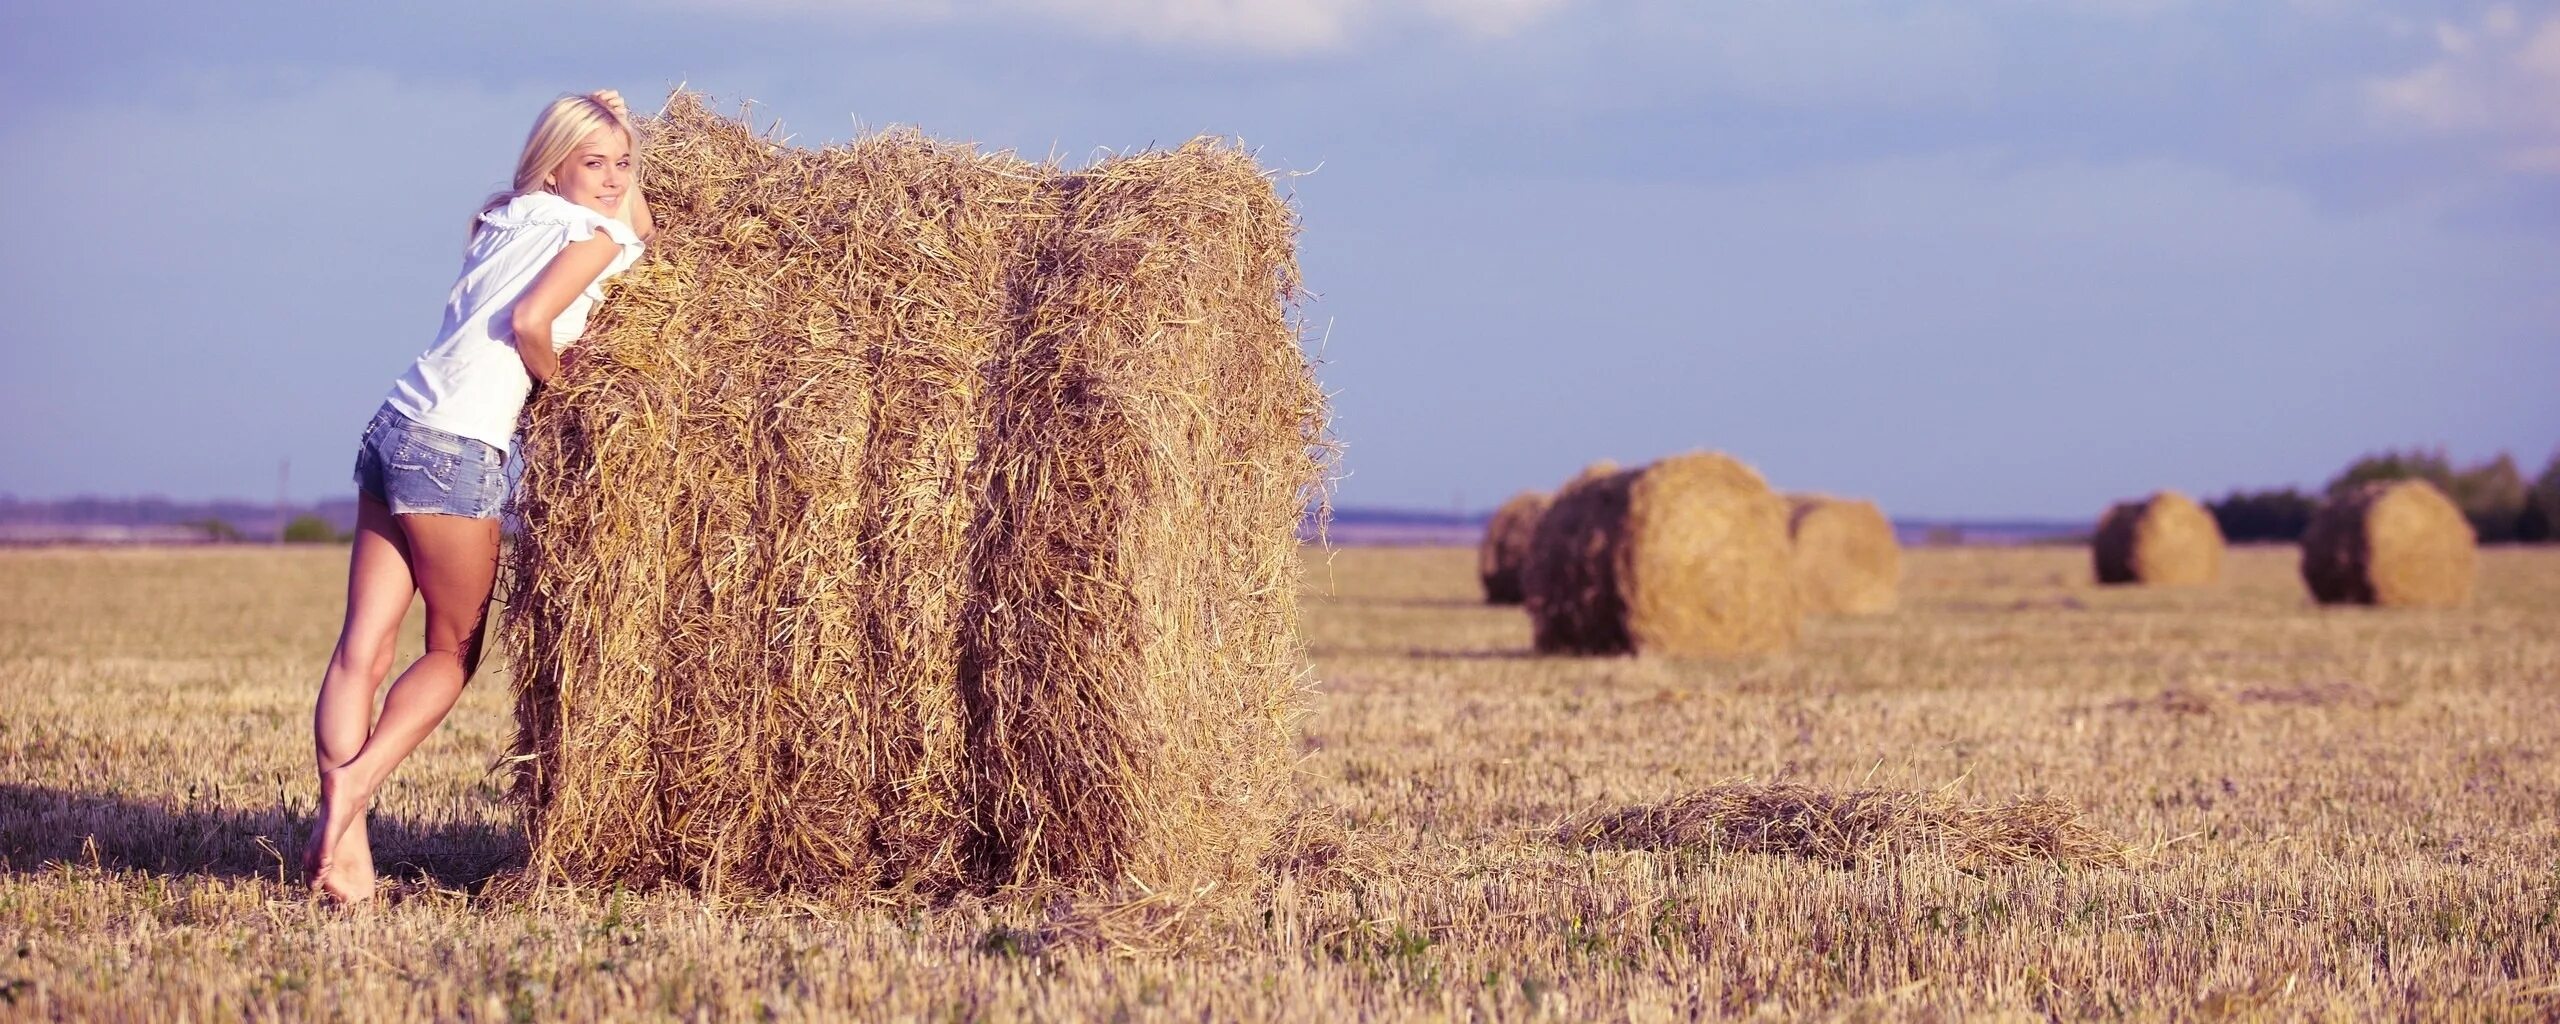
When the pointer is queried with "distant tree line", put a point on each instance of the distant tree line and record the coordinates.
(309, 529)
(301, 529)
(2501, 504)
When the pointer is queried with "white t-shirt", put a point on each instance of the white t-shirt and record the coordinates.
(471, 382)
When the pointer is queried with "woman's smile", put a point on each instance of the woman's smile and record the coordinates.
(598, 173)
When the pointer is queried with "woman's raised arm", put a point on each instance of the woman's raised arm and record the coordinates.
(635, 212)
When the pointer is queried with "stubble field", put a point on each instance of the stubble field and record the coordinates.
(2338, 814)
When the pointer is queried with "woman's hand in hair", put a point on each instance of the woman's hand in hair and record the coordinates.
(635, 213)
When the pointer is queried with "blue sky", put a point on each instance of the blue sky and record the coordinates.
(1969, 257)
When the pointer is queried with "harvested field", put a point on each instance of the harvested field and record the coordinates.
(1850, 828)
(2359, 827)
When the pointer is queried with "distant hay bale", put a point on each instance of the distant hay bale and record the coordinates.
(1850, 828)
(1506, 545)
(2163, 540)
(1687, 556)
(919, 521)
(2396, 543)
(1847, 561)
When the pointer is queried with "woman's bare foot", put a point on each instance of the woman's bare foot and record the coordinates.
(356, 850)
(350, 878)
(343, 874)
(348, 885)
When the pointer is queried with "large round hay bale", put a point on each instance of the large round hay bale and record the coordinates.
(1846, 559)
(2163, 540)
(1687, 556)
(1506, 545)
(2395, 543)
(920, 521)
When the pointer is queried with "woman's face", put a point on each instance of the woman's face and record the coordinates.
(598, 173)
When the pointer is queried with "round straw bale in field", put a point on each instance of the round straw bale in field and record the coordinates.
(2165, 539)
(2395, 543)
(1506, 545)
(1846, 560)
(1687, 556)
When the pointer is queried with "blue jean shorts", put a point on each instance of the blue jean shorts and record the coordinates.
(419, 470)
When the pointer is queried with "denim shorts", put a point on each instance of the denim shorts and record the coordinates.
(419, 470)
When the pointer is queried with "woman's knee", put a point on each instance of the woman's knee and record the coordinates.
(456, 563)
(366, 658)
(461, 641)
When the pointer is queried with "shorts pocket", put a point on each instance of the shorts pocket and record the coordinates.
(414, 456)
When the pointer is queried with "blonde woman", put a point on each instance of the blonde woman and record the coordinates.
(430, 472)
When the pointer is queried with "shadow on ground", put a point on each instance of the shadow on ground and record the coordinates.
(42, 826)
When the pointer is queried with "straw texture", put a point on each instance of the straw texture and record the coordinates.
(2397, 543)
(1851, 828)
(1847, 561)
(1686, 556)
(2163, 540)
(1505, 547)
(918, 521)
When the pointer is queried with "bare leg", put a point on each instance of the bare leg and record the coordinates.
(378, 591)
(455, 562)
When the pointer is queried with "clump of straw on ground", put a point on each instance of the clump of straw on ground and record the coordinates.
(1848, 828)
(2163, 540)
(918, 521)
(1686, 556)
(2396, 543)
(1505, 546)
(1847, 561)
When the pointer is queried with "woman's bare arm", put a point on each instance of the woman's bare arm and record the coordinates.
(568, 273)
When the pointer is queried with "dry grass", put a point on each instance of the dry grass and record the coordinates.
(2318, 856)
(921, 521)
(2208, 698)
(1849, 828)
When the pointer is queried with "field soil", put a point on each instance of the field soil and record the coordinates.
(2334, 813)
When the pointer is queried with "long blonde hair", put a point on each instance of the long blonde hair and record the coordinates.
(555, 135)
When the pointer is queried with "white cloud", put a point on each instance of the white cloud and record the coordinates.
(2501, 20)
(1280, 27)
(2496, 79)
